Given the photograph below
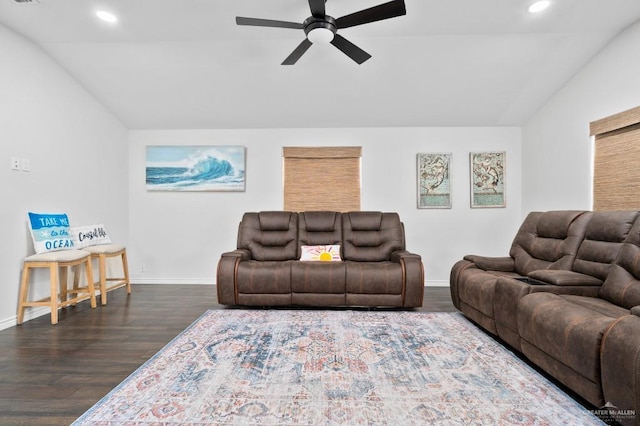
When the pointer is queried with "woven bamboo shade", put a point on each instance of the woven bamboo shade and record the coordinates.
(322, 178)
(616, 176)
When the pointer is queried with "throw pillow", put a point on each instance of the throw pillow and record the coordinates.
(50, 232)
(90, 235)
(329, 253)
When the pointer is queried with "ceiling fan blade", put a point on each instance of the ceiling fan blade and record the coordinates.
(317, 8)
(298, 52)
(376, 13)
(256, 22)
(350, 49)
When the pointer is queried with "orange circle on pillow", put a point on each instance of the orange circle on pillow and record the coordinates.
(325, 256)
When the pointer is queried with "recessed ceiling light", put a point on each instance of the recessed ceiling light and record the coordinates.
(539, 6)
(107, 16)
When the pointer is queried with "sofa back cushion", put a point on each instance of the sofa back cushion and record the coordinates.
(371, 236)
(622, 286)
(605, 235)
(269, 236)
(319, 228)
(548, 240)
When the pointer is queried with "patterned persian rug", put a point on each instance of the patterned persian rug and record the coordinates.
(286, 367)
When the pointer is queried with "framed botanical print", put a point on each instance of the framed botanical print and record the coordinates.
(487, 179)
(434, 181)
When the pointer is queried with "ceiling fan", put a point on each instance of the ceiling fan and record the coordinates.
(322, 28)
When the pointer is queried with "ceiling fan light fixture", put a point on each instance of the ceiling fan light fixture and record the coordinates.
(320, 35)
(321, 28)
(107, 16)
(539, 6)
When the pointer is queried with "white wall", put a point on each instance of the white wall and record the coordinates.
(46, 117)
(86, 164)
(179, 236)
(78, 155)
(556, 148)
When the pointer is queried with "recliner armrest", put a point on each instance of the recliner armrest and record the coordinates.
(564, 278)
(413, 275)
(636, 311)
(501, 264)
(398, 255)
(226, 275)
(241, 253)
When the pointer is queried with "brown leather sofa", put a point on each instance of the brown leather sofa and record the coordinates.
(375, 268)
(568, 298)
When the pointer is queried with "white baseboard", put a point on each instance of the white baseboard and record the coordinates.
(436, 283)
(9, 322)
(202, 281)
(30, 314)
(196, 281)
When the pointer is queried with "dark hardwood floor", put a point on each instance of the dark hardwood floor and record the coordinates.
(50, 375)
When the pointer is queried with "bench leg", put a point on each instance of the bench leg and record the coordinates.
(102, 262)
(53, 274)
(89, 272)
(24, 290)
(125, 266)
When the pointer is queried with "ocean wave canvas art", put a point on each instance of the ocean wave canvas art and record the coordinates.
(195, 168)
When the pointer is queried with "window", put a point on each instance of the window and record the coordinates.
(322, 178)
(616, 175)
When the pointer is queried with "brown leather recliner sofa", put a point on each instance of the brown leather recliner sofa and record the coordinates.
(568, 298)
(375, 268)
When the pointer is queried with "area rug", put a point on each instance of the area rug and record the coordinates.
(335, 367)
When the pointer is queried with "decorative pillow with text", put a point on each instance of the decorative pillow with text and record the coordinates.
(90, 235)
(50, 232)
(330, 253)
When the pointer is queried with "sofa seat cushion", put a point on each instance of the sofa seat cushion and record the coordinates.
(374, 277)
(568, 328)
(600, 306)
(318, 277)
(261, 277)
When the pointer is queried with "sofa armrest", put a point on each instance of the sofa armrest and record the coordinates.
(565, 278)
(501, 264)
(413, 277)
(620, 364)
(398, 255)
(238, 253)
(226, 275)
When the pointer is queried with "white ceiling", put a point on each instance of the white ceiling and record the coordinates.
(186, 64)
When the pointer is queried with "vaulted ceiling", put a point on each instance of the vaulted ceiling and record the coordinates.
(185, 63)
